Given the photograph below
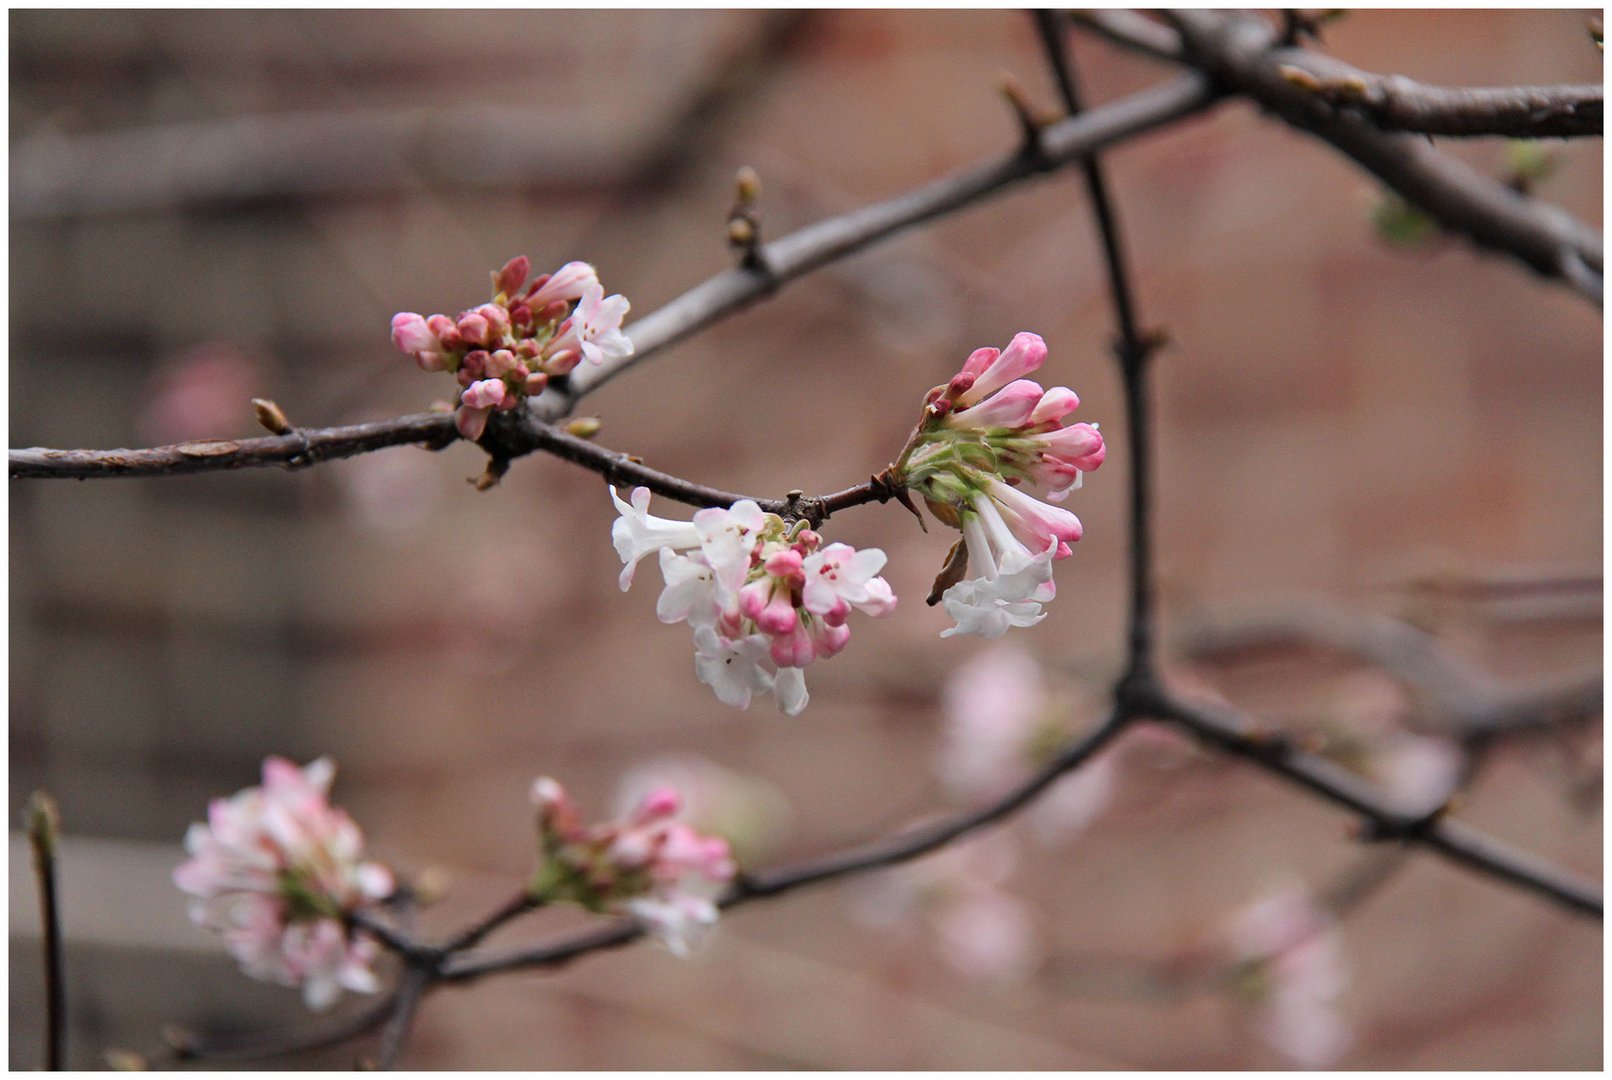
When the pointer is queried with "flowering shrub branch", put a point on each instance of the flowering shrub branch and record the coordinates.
(281, 874)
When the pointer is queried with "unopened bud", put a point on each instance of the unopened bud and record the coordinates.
(44, 824)
(431, 885)
(747, 182)
(584, 427)
(271, 416)
(120, 1060)
(741, 232)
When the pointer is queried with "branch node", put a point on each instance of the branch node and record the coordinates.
(1031, 119)
(744, 226)
(497, 466)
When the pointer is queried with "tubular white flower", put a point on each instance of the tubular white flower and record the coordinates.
(637, 532)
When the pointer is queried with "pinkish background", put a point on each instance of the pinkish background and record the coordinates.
(212, 206)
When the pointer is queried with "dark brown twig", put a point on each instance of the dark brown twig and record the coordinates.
(1132, 349)
(1230, 732)
(44, 827)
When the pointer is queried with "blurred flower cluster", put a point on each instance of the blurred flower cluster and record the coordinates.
(765, 599)
(649, 865)
(277, 871)
(983, 436)
(507, 349)
(1287, 965)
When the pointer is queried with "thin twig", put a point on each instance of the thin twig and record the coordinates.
(516, 906)
(44, 827)
(833, 239)
(1234, 734)
(1464, 701)
(303, 447)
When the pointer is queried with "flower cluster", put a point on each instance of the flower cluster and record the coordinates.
(1289, 966)
(508, 349)
(983, 436)
(755, 590)
(277, 870)
(649, 865)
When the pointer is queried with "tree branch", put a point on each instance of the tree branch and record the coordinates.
(1459, 843)
(416, 981)
(1132, 350)
(817, 245)
(786, 258)
(44, 827)
(1240, 53)
(1396, 103)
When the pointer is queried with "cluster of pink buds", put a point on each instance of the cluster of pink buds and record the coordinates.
(984, 436)
(756, 590)
(650, 866)
(507, 350)
(278, 871)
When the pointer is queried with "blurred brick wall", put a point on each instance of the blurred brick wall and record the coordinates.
(1334, 415)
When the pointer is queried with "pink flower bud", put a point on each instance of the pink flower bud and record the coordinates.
(794, 649)
(475, 362)
(535, 383)
(484, 394)
(565, 285)
(659, 803)
(779, 616)
(473, 329)
(1055, 404)
(753, 598)
(497, 321)
(959, 385)
(829, 640)
(445, 331)
(501, 364)
(520, 315)
(431, 361)
(809, 538)
(471, 422)
(512, 276)
(783, 563)
(411, 334)
(978, 361)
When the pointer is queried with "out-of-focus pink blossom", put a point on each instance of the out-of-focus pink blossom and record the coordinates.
(751, 814)
(1001, 724)
(764, 599)
(981, 930)
(1291, 971)
(277, 871)
(517, 340)
(648, 864)
(206, 393)
(984, 436)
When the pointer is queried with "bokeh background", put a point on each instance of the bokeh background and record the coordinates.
(210, 206)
